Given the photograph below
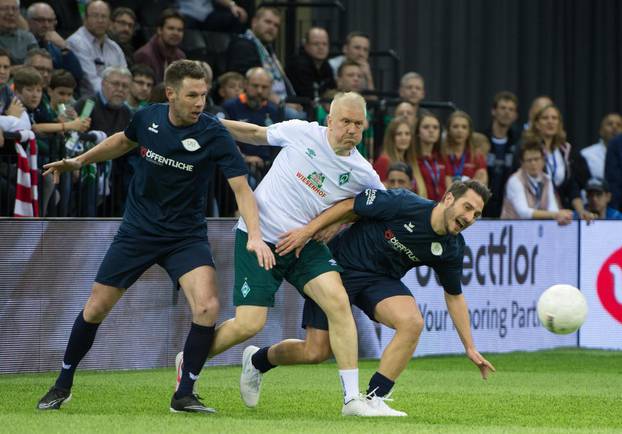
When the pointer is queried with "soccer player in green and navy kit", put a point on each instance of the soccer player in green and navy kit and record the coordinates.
(164, 222)
(397, 231)
(316, 167)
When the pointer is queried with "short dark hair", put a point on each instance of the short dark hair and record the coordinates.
(62, 78)
(5, 53)
(144, 70)
(180, 69)
(121, 10)
(223, 79)
(530, 145)
(459, 188)
(168, 14)
(400, 166)
(345, 64)
(25, 76)
(504, 95)
(263, 9)
(42, 52)
(355, 34)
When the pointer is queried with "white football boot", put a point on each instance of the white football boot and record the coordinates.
(359, 407)
(250, 379)
(379, 403)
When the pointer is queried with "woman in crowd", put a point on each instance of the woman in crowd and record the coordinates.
(398, 146)
(565, 168)
(461, 160)
(429, 172)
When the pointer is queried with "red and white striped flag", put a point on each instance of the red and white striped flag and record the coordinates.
(26, 193)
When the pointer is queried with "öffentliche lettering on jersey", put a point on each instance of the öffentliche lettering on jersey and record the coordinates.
(394, 235)
(168, 190)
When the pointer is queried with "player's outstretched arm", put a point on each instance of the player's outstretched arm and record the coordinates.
(296, 239)
(249, 212)
(246, 133)
(457, 307)
(110, 148)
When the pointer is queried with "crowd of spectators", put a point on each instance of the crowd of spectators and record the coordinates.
(72, 89)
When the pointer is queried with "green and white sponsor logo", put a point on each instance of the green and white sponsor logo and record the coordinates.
(245, 289)
(311, 153)
(344, 178)
(317, 179)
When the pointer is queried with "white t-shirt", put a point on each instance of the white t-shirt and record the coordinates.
(306, 178)
(595, 157)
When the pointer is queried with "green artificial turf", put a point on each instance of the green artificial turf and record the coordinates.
(565, 390)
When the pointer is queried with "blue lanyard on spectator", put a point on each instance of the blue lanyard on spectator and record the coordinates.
(552, 168)
(434, 174)
(457, 169)
(537, 189)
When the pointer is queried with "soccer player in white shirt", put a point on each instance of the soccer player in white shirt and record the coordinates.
(317, 167)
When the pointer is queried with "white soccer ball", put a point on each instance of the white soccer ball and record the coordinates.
(562, 309)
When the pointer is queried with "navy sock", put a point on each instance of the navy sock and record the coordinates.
(196, 349)
(80, 342)
(380, 385)
(260, 360)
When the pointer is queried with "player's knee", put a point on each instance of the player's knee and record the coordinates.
(339, 305)
(95, 311)
(208, 306)
(317, 354)
(410, 326)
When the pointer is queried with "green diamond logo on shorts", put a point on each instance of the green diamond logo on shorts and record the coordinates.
(310, 152)
(245, 289)
(344, 178)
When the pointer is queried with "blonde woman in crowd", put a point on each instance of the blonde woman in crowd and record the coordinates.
(461, 160)
(398, 146)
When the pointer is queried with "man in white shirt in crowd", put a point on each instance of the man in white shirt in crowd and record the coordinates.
(95, 50)
(594, 155)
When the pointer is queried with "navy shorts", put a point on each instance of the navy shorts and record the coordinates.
(130, 255)
(365, 292)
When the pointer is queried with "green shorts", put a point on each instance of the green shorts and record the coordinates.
(255, 286)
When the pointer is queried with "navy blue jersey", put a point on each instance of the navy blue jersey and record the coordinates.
(394, 235)
(168, 190)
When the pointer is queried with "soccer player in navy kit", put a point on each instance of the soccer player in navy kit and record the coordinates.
(164, 222)
(397, 231)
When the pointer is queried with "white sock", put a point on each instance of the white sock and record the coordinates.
(349, 383)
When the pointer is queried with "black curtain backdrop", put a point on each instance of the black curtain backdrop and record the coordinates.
(467, 50)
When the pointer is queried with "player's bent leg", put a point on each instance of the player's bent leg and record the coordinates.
(401, 314)
(328, 292)
(314, 349)
(100, 303)
(248, 321)
(201, 290)
(255, 361)
(330, 295)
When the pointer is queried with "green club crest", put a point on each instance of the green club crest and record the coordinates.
(311, 153)
(344, 178)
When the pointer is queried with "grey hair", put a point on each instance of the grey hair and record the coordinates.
(348, 97)
(116, 70)
(410, 76)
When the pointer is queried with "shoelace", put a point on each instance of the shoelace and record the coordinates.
(372, 395)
